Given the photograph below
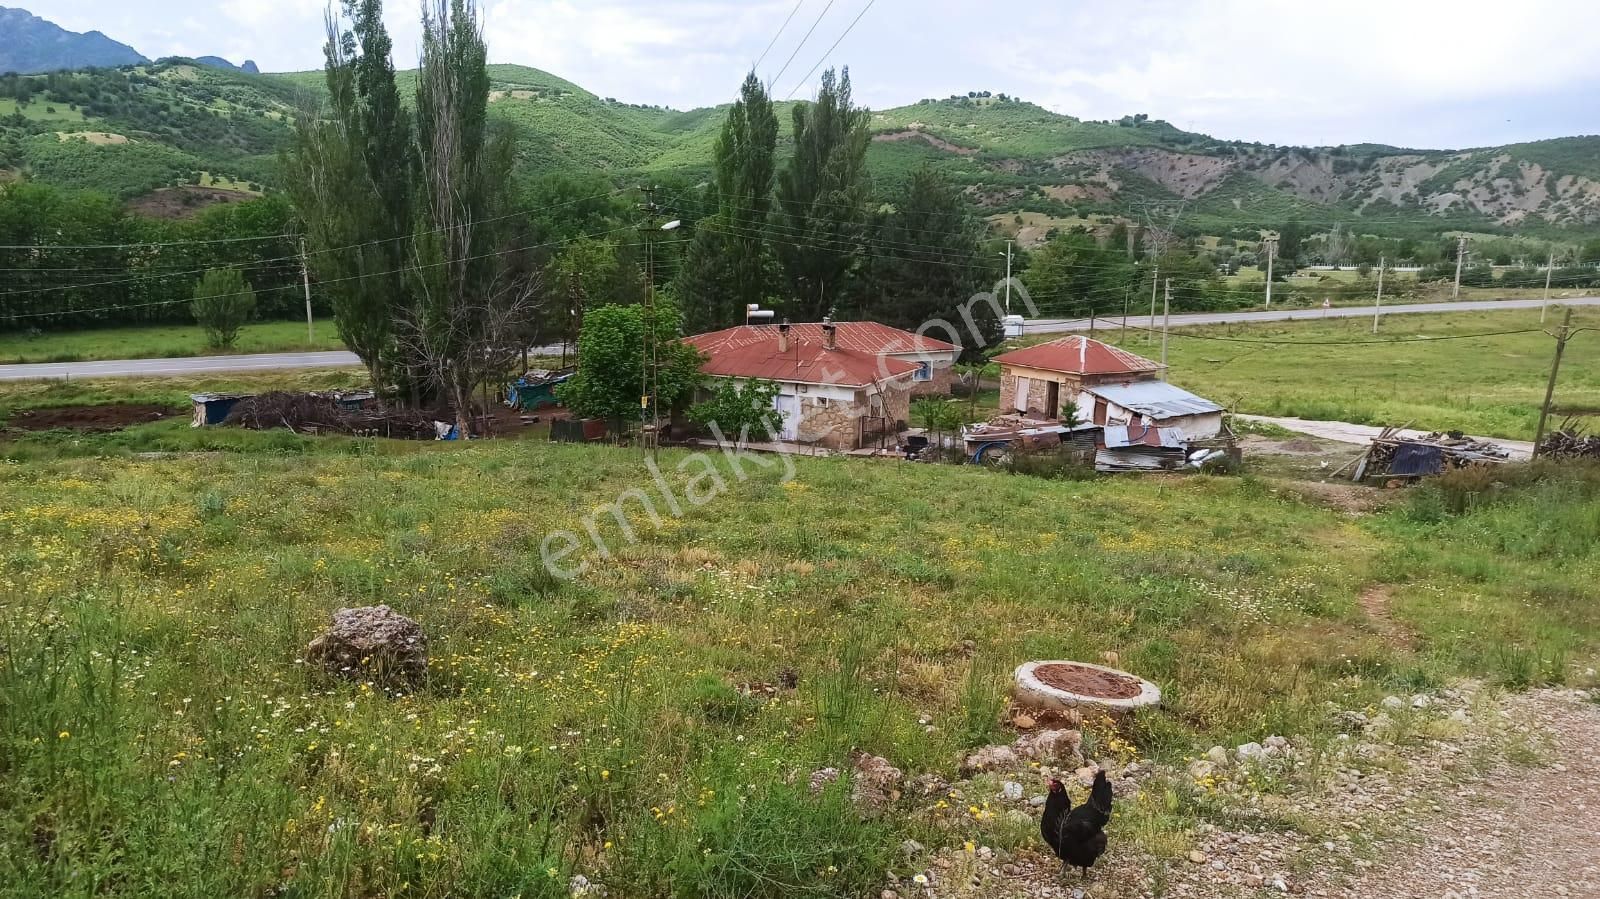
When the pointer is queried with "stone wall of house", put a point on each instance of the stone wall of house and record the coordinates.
(1036, 394)
(830, 423)
(944, 377)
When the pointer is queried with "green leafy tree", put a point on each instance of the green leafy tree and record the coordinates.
(741, 410)
(930, 265)
(822, 198)
(611, 363)
(474, 307)
(351, 174)
(1073, 275)
(223, 302)
(743, 161)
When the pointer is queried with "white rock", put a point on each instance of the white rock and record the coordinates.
(1250, 752)
(1217, 756)
(1277, 742)
(1011, 790)
(1460, 716)
(1393, 702)
(1421, 701)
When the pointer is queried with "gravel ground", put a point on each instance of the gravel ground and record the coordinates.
(1458, 795)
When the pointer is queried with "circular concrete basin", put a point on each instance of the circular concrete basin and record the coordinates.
(1064, 685)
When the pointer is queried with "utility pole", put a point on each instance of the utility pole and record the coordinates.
(647, 374)
(1461, 254)
(1378, 309)
(1008, 278)
(1155, 281)
(1549, 269)
(311, 330)
(1550, 388)
(1271, 244)
(1091, 324)
(1166, 327)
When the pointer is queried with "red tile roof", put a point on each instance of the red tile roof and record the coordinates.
(863, 337)
(753, 354)
(1080, 356)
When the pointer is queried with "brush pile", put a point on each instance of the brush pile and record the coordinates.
(306, 413)
(1392, 455)
(1570, 443)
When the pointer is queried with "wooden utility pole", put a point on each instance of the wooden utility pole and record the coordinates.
(1166, 327)
(1550, 388)
(305, 279)
(1377, 310)
(1271, 245)
(1461, 255)
(1549, 269)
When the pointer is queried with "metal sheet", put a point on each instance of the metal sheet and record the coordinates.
(1157, 399)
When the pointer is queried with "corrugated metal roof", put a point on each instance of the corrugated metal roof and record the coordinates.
(1122, 436)
(1157, 399)
(1080, 356)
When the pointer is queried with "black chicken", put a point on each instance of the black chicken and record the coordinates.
(1077, 835)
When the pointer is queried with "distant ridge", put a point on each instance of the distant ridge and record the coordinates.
(29, 44)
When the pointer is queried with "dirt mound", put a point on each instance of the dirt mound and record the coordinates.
(184, 202)
(111, 417)
(1300, 445)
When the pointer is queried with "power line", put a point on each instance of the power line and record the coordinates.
(831, 49)
(129, 246)
(775, 37)
(397, 271)
(802, 43)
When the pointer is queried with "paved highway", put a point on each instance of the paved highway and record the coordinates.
(1186, 319)
(206, 365)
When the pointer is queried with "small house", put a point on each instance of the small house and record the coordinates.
(1046, 379)
(1147, 405)
(841, 385)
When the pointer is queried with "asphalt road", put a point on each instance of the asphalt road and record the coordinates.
(201, 365)
(1186, 319)
(1361, 435)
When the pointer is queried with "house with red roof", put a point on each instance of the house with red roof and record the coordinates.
(842, 385)
(1044, 379)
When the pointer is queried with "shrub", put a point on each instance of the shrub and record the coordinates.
(223, 302)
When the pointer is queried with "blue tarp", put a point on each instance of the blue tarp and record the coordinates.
(1416, 459)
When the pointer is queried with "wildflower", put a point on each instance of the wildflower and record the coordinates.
(920, 880)
(64, 735)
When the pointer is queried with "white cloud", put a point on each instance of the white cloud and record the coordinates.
(1434, 72)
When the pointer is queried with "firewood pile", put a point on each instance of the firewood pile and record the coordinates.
(1570, 442)
(308, 414)
(1428, 454)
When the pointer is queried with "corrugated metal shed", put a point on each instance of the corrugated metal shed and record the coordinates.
(1157, 399)
(1121, 436)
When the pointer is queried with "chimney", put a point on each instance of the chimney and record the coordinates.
(829, 333)
(783, 337)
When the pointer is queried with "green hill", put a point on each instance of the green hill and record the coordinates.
(176, 125)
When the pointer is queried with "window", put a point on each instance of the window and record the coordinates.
(924, 372)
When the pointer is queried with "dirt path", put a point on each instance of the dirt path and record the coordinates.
(1345, 432)
(1514, 832)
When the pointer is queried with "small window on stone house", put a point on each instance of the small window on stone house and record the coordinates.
(924, 372)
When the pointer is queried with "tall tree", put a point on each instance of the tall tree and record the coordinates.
(822, 198)
(350, 172)
(474, 308)
(930, 264)
(728, 265)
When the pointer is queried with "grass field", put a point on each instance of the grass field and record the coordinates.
(1482, 385)
(158, 341)
(160, 736)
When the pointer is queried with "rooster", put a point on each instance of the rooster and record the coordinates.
(1077, 835)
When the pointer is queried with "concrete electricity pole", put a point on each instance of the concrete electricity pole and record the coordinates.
(1271, 245)
(1155, 281)
(1008, 278)
(1166, 327)
(1461, 254)
(1378, 309)
(1549, 268)
(1562, 335)
(311, 331)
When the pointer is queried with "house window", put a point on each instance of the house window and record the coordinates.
(924, 372)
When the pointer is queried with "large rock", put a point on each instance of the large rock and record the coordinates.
(372, 642)
(876, 783)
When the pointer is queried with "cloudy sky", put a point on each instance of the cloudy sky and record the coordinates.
(1422, 73)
